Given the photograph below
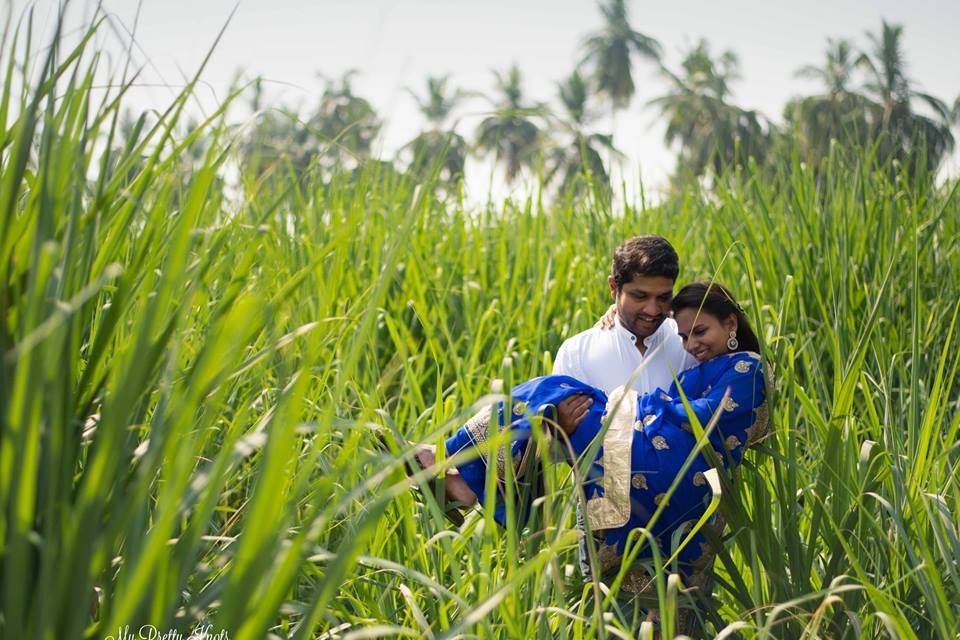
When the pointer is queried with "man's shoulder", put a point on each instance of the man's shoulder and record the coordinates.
(596, 336)
(671, 349)
(669, 327)
(588, 338)
(669, 336)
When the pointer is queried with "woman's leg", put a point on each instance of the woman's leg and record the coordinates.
(469, 444)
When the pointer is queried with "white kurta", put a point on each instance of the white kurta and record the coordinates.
(608, 358)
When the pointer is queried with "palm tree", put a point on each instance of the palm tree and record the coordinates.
(345, 124)
(439, 148)
(577, 161)
(338, 134)
(837, 73)
(510, 133)
(837, 114)
(712, 133)
(903, 131)
(439, 103)
(278, 138)
(609, 52)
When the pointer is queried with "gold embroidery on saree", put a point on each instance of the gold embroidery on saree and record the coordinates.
(612, 509)
(761, 425)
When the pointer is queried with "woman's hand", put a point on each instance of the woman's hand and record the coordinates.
(607, 320)
(572, 411)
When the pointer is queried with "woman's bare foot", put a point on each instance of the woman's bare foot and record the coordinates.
(455, 486)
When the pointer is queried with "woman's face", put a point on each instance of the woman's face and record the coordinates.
(704, 335)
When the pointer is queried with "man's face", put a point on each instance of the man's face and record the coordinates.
(643, 303)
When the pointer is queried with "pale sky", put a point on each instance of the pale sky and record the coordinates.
(395, 44)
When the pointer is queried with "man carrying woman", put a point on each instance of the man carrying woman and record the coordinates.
(631, 400)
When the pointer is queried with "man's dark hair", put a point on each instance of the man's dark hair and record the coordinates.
(644, 256)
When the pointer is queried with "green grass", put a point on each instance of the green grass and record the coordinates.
(186, 380)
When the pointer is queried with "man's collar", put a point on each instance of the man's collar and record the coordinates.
(650, 341)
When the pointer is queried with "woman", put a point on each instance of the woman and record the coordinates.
(649, 439)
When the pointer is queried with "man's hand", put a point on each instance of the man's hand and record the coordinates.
(572, 411)
(607, 320)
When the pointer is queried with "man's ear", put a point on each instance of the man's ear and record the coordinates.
(613, 287)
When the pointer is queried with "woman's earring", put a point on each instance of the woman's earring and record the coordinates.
(733, 343)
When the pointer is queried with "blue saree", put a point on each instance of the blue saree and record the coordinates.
(642, 451)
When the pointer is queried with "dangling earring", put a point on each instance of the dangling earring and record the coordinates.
(733, 343)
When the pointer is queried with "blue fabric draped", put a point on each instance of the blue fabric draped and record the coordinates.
(661, 443)
(538, 396)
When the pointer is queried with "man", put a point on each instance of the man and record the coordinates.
(642, 348)
(641, 282)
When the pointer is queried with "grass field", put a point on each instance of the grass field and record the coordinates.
(187, 378)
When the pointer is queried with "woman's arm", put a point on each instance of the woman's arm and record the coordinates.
(743, 376)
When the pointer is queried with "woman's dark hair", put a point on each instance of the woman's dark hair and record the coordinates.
(715, 299)
(644, 256)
